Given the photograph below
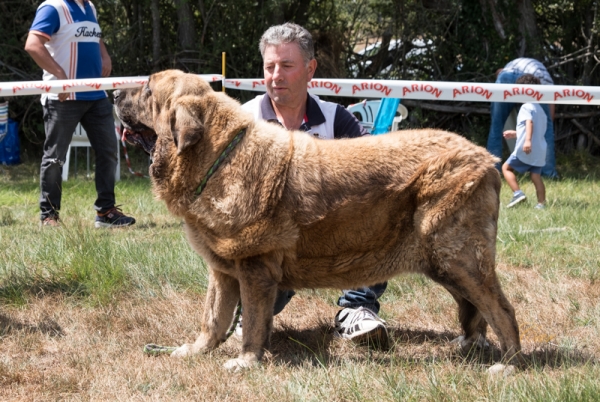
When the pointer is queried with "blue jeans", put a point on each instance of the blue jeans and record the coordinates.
(60, 120)
(361, 297)
(500, 112)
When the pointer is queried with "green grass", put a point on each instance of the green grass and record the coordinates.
(548, 263)
(82, 261)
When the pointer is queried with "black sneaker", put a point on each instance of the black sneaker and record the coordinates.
(113, 218)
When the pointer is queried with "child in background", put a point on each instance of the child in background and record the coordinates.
(530, 150)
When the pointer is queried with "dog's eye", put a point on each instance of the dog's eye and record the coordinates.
(147, 90)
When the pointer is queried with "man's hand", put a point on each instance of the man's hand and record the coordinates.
(106, 60)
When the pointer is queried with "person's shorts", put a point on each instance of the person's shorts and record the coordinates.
(521, 167)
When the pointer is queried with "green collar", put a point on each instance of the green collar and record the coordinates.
(220, 160)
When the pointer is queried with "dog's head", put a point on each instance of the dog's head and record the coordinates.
(165, 105)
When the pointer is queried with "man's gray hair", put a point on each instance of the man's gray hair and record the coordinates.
(288, 33)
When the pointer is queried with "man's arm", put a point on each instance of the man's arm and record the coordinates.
(38, 52)
(106, 60)
(346, 125)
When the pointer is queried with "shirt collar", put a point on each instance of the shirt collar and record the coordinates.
(313, 112)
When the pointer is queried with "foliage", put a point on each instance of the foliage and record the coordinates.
(448, 40)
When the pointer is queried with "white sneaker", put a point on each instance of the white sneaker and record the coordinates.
(361, 325)
(238, 333)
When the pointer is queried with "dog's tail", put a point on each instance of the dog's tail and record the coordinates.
(442, 184)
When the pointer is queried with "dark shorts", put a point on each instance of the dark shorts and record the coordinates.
(521, 167)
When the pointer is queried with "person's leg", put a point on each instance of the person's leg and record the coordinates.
(98, 122)
(549, 169)
(363, 297)
(499, 113)
(60, 120)
(510, 177)
(540, 188)
(358, 320)
(282, 299)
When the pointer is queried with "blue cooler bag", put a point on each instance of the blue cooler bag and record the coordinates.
(10, 147)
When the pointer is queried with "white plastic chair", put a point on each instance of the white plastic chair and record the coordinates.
(367, 112)
(80, 139)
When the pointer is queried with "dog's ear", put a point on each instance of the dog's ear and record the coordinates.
(186, 125)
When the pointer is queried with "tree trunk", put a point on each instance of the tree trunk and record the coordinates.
(531, 44)
(498, 19)
(155, 34)
(186, 31)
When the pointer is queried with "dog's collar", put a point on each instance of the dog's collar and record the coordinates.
(220, 160)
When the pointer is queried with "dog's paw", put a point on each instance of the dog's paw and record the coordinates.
(501, 370)
(182, 351)
(236, 365)
(467, 344)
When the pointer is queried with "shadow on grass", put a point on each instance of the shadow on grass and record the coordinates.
(152, 225)
(297, 347)
(46, 326)
(18, 293)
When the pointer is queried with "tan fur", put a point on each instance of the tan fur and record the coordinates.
(289, 211)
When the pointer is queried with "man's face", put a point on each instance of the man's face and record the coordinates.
(286, 75)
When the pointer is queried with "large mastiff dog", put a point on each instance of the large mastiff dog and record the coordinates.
(282, 210)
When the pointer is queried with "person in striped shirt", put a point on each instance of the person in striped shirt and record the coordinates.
(65, 40)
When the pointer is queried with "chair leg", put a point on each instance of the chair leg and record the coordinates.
(65, 168)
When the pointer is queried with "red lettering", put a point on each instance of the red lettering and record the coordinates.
(43, 87)
(96, 85)
(258, 83)
(575, 93)
(422, 88)
(327, 85)
(365, 86)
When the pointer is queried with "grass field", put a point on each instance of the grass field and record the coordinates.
(77, 305)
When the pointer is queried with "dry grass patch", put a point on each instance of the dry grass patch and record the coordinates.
(58, 348)
(78, 305)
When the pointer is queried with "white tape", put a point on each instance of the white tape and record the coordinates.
(447, 91)
(82, 85)
(357, 88)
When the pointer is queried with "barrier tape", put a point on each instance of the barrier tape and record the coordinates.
(447, 91)
(81, 85)
(358, 88)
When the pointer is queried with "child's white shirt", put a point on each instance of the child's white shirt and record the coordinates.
(535, 113)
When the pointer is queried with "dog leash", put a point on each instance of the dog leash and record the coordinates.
(155, 350)
(220, 160)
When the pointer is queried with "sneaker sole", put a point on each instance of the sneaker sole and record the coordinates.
(100, 225)
(515, 202)
(377, 338)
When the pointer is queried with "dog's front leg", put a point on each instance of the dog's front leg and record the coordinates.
(222, 296)
(258, 278)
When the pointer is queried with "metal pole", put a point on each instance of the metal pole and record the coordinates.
(223, 71)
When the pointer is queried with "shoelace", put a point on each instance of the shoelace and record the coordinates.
(115, 210)
(358, 315)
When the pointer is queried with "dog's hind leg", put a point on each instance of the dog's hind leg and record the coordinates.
(472, 323)
(258, 277)
(484, 294)
(222, 296)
